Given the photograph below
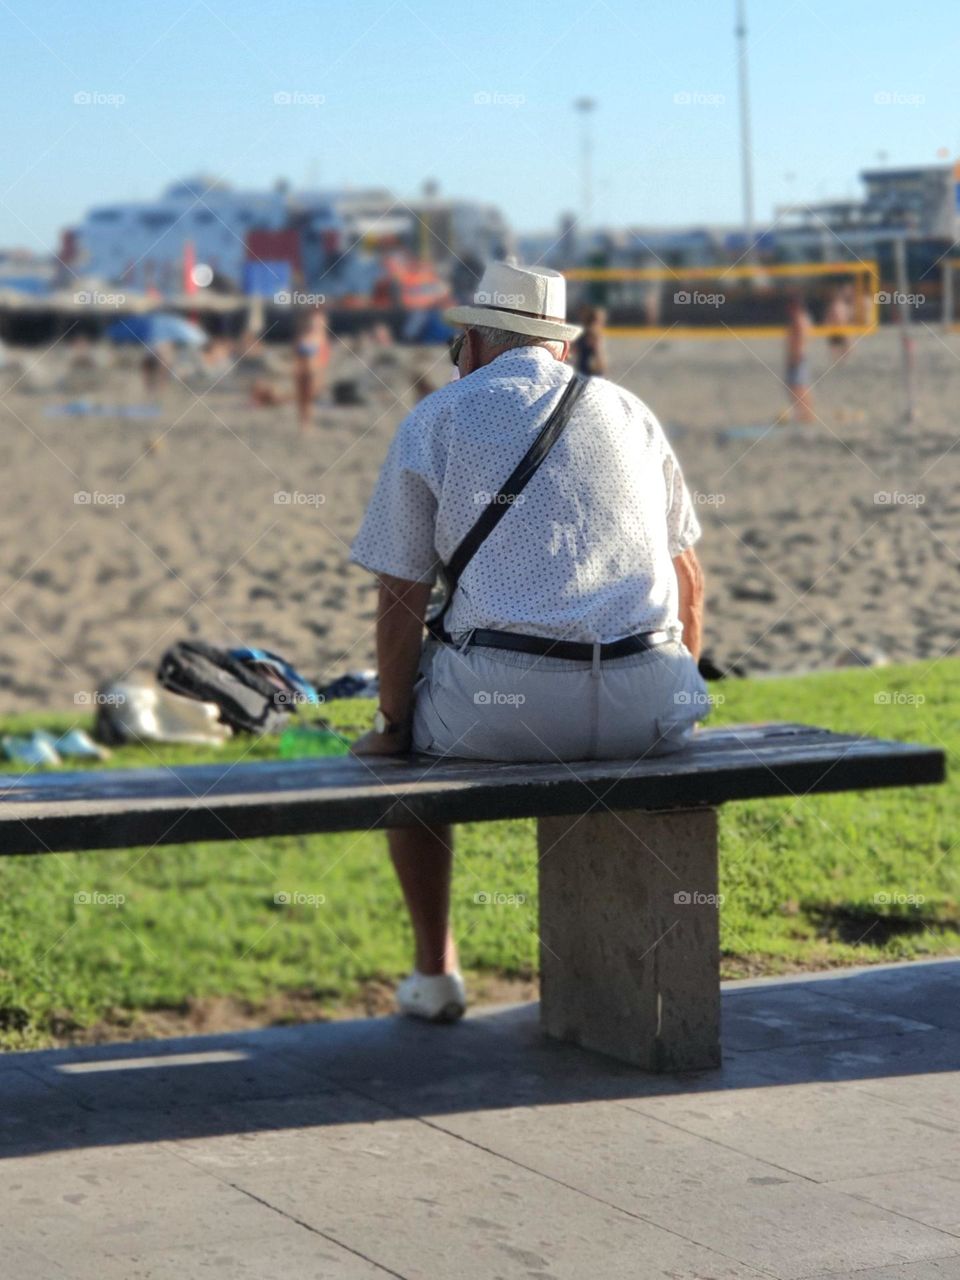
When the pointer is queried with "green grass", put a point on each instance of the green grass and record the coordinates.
(800, 878)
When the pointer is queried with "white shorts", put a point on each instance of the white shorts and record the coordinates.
(494, 704)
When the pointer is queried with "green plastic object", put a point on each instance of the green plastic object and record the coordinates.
(303, 740)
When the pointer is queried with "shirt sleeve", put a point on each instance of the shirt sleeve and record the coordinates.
(683, 527)
(397, 533)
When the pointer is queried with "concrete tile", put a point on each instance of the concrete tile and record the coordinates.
(929, 1195)
(772, 1016)
(821, 1132)
(611, 1151)
(797, 1230)
(935, 1269)
(117, 1079)
(937, 1092)
(105, 1199)
(424, 1204)
(295, 1253)
(869, 1058)
(928, 991)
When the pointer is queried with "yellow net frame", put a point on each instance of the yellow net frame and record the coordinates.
(865, 277)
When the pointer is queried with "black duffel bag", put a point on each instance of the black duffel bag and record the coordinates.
(248, 702)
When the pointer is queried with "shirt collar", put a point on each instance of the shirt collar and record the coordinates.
(532, 357)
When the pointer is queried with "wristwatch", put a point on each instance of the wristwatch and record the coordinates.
(383, 724)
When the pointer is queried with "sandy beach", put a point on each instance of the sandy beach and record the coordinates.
(823, 544)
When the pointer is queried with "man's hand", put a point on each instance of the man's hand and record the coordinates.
(372, 743)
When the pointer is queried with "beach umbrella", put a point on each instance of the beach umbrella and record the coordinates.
(158, 327)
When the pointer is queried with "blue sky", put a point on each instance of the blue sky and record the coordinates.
(385, 94)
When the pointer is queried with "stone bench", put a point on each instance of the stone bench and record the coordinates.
(629, 955)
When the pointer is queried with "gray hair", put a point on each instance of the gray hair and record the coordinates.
(503, 339)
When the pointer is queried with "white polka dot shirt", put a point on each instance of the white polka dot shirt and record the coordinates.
(586, 552)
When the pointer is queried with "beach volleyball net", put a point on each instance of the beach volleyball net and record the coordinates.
(743, 301)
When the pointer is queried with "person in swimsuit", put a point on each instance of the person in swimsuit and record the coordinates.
(311, 355)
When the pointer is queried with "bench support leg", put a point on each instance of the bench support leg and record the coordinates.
(629, 955)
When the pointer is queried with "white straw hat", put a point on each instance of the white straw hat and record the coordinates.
(530, 300)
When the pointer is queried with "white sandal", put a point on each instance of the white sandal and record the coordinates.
(439, 997)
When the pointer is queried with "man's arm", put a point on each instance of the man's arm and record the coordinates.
(401, 607)
(690, 583)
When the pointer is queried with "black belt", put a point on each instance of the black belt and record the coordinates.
(569, 649)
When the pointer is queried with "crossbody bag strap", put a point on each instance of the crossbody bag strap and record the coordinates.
(505, 498)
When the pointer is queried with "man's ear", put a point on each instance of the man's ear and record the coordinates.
(565, 353)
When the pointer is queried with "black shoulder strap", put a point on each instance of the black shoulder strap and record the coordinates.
(505, 498)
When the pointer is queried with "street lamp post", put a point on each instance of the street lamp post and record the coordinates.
(585, 107)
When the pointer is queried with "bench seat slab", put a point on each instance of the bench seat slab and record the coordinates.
(629, 929)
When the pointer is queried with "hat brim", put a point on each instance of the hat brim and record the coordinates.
(512, 323)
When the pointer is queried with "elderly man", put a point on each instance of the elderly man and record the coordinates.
(572, 622)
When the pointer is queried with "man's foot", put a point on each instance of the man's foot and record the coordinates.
(438, 997)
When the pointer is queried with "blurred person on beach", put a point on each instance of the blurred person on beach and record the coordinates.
(311, 356)
(589, 350)
(798, 367)
(577, 629)
(838, 316)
